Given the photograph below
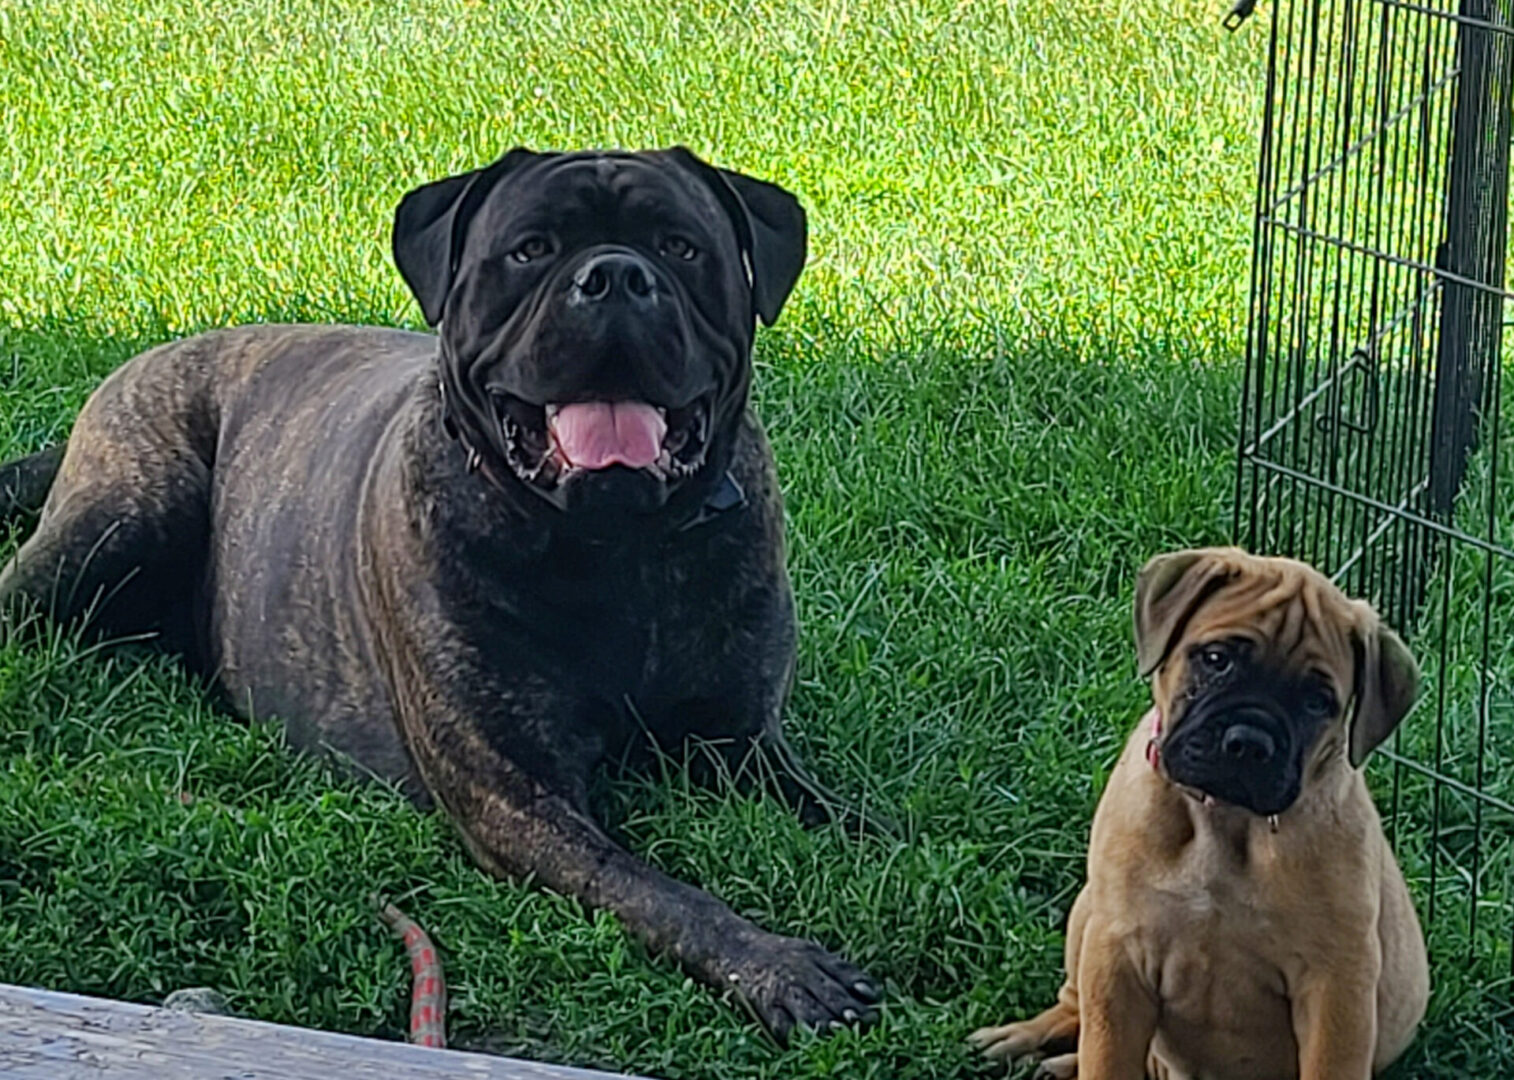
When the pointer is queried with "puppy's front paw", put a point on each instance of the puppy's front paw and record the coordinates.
(788, 983)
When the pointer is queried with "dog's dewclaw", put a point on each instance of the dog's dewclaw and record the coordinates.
(428, 991)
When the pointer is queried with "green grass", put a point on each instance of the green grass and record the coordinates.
(1008, 376)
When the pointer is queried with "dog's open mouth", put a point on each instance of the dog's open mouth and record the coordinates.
(549, 444)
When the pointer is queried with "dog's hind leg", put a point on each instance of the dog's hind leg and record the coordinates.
(24, 483)
(1054, 1031)
(1061, 1067)
(122, 535)
(104, 559)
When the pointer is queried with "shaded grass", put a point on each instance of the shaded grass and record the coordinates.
(1008, 377)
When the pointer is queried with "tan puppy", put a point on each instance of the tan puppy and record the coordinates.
(1244, 918)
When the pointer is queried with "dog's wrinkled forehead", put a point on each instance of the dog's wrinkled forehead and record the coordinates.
(1289, 615)
(1292, 617)
(600, 197)
(755, 230)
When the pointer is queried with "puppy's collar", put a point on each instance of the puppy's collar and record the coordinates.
(1153, 721)
(727, 495)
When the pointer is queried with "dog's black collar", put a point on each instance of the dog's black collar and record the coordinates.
(727, 496)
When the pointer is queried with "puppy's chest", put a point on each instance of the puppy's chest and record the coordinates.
(1208, 944)
(1208, 948)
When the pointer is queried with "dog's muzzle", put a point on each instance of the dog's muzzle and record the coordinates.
(1238, 752)
(615, 278)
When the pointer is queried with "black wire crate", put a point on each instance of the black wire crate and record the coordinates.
(1371, 440)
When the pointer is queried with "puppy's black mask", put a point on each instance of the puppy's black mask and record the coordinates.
(596, 312)
(1245, 727)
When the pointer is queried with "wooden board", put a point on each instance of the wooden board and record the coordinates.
(68, 1037)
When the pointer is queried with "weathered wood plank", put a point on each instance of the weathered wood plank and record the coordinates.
(68, 1037)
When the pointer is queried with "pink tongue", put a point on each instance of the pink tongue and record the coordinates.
(597, 434)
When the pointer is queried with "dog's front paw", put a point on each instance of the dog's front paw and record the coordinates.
(788, 983)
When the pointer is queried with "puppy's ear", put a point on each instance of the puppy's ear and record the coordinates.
(429, 226)
(770, 225)
(1169, 589)
(1387, 682)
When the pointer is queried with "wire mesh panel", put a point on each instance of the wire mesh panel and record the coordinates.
(1370, 430)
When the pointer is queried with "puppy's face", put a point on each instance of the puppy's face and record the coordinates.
(1265, 672)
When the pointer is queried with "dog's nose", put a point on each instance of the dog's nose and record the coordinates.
(1246, 744)
(615, 275)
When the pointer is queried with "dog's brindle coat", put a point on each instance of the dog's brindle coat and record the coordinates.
(376, 535)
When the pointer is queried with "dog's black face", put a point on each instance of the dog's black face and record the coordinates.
(597, 312)
(1245, 728)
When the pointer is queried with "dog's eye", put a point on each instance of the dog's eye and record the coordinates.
(1320, 703)
(1215, 659)
(533, 247)
(676, 247)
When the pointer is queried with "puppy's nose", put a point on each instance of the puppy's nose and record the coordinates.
(615, 275)
(1246, 744)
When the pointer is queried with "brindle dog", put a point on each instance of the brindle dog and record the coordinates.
(482, 562)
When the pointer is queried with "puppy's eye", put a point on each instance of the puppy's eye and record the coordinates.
(533, 247)
(676, 247)
(1216, 660)
(1320, 703)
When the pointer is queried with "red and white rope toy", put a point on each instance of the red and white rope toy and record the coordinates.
(428, 991)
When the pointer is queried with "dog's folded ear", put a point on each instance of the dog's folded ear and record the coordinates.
(1169, 589)
(779, 240)
(1387, 682)
(770, 225)
(429, 226)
